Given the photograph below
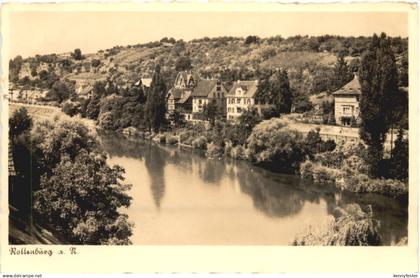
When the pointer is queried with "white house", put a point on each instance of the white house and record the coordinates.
(240, 97)
(346, 102)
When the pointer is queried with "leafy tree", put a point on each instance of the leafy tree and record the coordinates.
(80, 200)
(282, 94)
(379, 81)
(34, 72)
(156, 102)
(269, 113)
(342, 73)
(399, 159)
(183, 63)
(51, 142)
(19, 123)
(60, 91)
(252, 39)
(176, 118)
(70, 108)
(77, 54)
(92, 108)
(248, 119)
(276, 147)
(96, 63)
(403, 70)
(302, 104)
(211, 112)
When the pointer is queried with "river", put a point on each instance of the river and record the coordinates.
(181, 197)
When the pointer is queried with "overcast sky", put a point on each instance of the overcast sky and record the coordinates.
(56, 32)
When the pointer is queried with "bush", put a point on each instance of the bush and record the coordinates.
(185, 136)
(235, 152)
(200, 143)
(70, 108)
(351, 227)
(160, 138)
(273, 145)
(214, 150)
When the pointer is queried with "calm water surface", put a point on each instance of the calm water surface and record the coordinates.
(180, 197)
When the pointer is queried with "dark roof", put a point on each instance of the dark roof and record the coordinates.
(250, 88)
(203, 88)
(176, 93)
(185, 97)
(351, 88)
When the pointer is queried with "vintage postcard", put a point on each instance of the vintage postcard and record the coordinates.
(209, 137)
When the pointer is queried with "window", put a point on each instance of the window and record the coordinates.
(218, 88)
(347, 109)
(248, 101)
(238, 109)
(238, 100)
(218, 95)
(199, 101)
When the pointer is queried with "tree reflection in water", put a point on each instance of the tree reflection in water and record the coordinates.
(155, 164)
(274, 198)
(275, 195)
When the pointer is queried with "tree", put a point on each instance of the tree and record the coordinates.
(77, 54)
(52, 141)
(92, 108)
(176, 118)
(70, 108)
(211, 112)
(252, 39)
(379, 81)
(96, 63)
(183, 63)
(399, 159)
(80, 200)
(282, 94)
(248, 119)
(156, 101)
(19, 123)
(273, 145)
(59, 92)
(342, 73)
(302, 104)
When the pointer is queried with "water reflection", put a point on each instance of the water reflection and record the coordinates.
(155, 164)
(209, 201)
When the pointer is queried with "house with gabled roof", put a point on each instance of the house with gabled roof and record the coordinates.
(190, 94)
(242, 96)
(209, 91)
(346, 103)
(179, 96)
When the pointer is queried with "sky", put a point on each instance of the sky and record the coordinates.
(34, 33)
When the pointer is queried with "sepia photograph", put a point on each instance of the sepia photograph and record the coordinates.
(193, 128)
(188, 128)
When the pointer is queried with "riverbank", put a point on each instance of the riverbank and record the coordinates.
(230, 201)
(224, 141)
(324, 162)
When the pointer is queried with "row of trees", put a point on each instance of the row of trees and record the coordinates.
(381, 108)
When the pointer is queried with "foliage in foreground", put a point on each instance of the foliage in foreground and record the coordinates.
(75, 193)
(81, 198)
(351, 227)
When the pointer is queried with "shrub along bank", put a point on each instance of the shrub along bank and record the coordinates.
(272, 144)
(351, 226)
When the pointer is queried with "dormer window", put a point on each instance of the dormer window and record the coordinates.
(239, 91)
